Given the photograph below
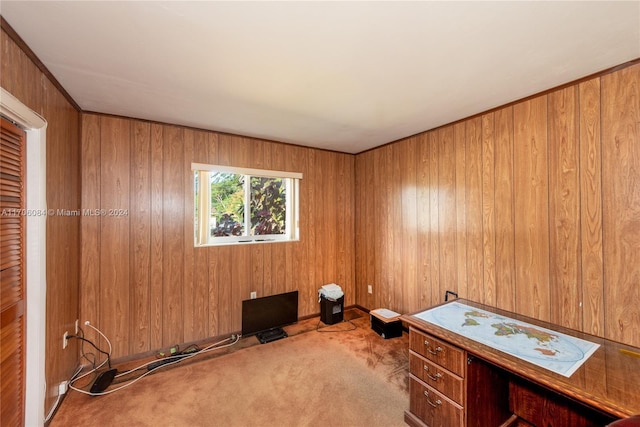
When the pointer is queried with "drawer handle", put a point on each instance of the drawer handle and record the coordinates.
(438, 375)
(438, 350)
(431, 377)
(436, 404)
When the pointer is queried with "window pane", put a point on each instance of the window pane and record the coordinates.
(237, 206)
(268, 206)
(227, 204)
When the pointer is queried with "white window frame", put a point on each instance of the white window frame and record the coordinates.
(202, 235)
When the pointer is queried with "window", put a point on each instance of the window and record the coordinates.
(237, 205)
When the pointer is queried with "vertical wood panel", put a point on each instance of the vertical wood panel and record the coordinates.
(434, 185)
(140, 261)
(360, 254)
(312, 232)
(621, 203)
(114, 315)
(173, 236)
(423, 175)
(391, 213)
(447, 210)
(190, 316)
(157, 253)
(475, 268)
(532, 208)
(378, 196)
(347, 240)
(505, 262)
(304, 254)
(239, 283)
(392, 292)
(329, 197)
(90, 225)
(340, 195)
(344, 217)
(488, 210)
(564, 209)
(409, 224)
(461, 209)
(371, 215)
(591, 207)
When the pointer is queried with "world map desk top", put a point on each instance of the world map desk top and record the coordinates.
(548, 349)
(606, 374)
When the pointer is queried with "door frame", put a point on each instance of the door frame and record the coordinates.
(36, 256)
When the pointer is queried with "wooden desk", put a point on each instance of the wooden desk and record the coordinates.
(466, 383)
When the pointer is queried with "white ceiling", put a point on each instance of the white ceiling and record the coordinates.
(345, 76)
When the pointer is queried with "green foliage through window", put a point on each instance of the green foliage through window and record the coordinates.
(268, 206)
(227, 204)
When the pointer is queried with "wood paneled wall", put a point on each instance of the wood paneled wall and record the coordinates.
(534, 207)
(20, 76)
(145, 285)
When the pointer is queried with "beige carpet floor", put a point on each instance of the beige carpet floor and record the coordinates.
(345, 378)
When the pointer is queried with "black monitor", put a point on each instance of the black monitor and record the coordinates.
(266, 316)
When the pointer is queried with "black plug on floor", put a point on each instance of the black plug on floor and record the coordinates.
(103, 380)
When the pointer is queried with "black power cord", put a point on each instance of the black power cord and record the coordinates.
(83, 339)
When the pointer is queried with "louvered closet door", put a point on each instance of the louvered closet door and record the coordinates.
(12, 277)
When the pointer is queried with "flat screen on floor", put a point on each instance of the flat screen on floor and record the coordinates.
(274, 311)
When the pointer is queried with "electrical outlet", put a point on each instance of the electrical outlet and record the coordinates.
(77, 326)
(65, 339)
(370, 289)
(254, 295)
(63, 387)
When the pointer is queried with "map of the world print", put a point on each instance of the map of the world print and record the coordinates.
(548, 349)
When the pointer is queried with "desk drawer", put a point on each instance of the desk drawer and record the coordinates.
(445, 355)
(442, 380)
(432, 407)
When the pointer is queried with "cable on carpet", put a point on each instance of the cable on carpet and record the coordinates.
(354, 327)
(189, 352)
